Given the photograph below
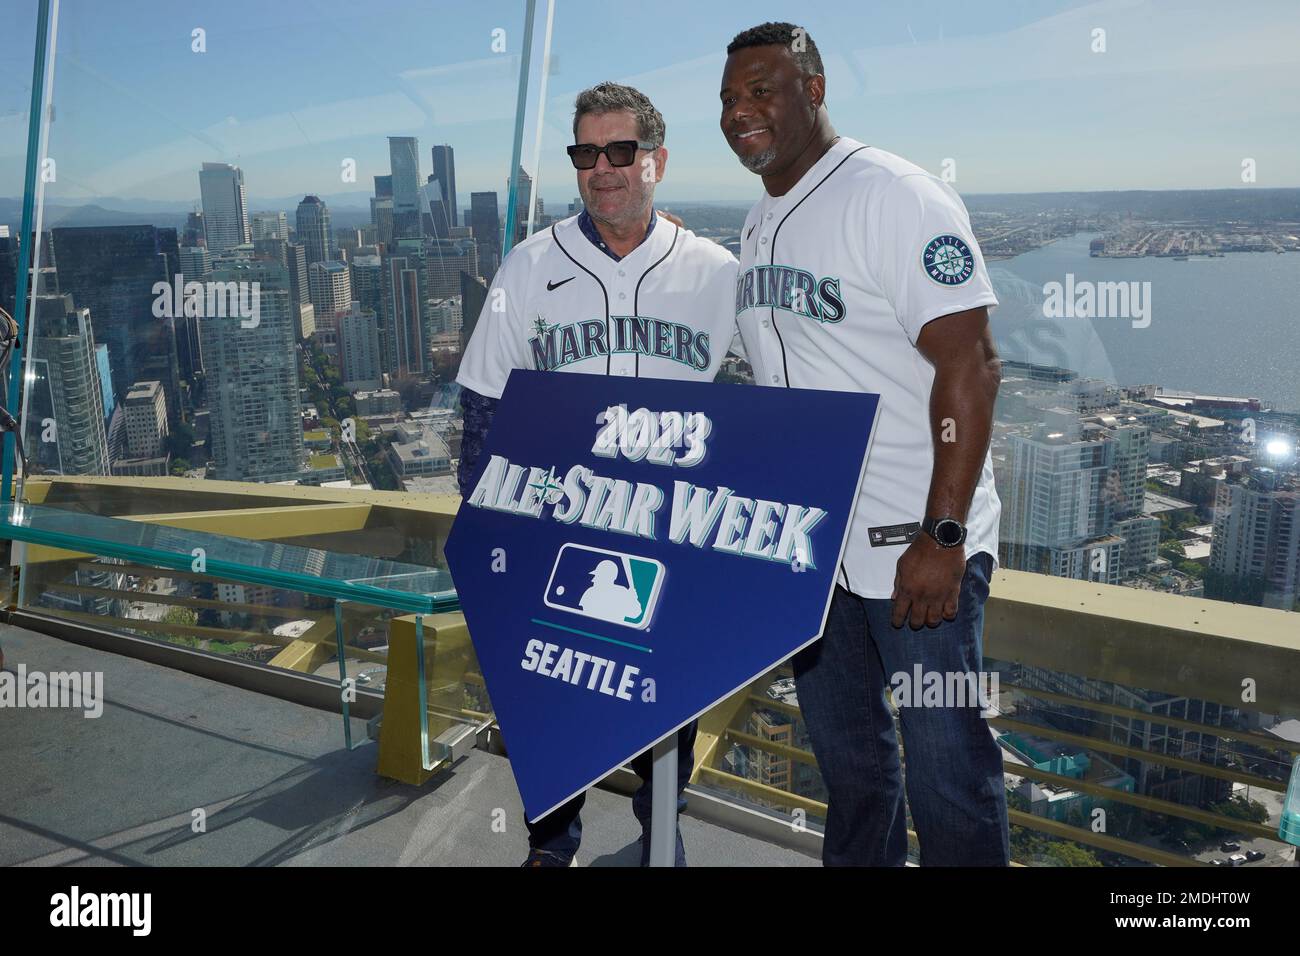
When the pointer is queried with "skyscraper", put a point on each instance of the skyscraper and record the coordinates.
(444, 173)
(368, 291)
(331, 293)
(270, 225)
(111, 270)
(194, 234)
(404, 159)
(406, 340)
(146, 420)
(313, 230)
(485, 221)
(445, 260)
(1058, 506)
(1257, 533)
(435, 217)
(67, 402)
(359, 348)
(256, 426)
(225, 206)
(473, 295)
(8, 270)
(521, 204)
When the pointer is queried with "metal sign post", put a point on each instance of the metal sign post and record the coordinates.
(663, 804)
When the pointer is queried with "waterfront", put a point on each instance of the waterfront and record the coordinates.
(1224, 325)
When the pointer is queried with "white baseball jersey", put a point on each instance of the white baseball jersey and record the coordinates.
(837, 278)
(560, 303)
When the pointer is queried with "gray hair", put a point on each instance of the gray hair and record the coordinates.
(615, 98)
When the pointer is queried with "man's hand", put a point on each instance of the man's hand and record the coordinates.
(927, 583)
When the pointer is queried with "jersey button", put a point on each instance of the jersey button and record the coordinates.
(621, 272)
(622, 295)
(763, 240)
(766, 323)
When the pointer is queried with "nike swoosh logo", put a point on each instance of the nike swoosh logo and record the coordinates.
(552, 286)
(751, 232)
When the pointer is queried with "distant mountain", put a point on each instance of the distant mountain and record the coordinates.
(351, 210)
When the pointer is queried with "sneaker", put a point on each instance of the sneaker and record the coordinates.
(547, 858)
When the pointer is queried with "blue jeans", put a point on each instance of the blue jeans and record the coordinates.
(955, 787)
(560, 831)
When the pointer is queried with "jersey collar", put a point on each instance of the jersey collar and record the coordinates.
(588, 227)
(809, 180)
(569, 234)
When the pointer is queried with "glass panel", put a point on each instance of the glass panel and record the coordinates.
(387, 583)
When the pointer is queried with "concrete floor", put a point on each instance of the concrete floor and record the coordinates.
(275, 785)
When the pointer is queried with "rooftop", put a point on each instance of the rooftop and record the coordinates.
(276, 787)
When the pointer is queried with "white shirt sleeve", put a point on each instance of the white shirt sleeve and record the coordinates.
(912, 212)
(498, 344)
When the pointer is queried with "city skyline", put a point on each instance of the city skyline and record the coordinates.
(1045, 114)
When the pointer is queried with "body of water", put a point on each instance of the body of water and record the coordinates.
(1222, 326)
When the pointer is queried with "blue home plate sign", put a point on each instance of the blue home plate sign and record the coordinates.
(633, 551)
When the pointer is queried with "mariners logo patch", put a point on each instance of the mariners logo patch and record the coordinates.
(948, 260)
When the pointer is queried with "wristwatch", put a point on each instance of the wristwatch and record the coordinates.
(948, 532)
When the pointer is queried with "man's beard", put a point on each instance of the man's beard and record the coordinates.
(629, 215)
(759, 162)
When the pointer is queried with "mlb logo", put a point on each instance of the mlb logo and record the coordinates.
(607, 586)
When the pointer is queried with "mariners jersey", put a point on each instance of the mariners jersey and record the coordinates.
(559, 303)
(837, 278)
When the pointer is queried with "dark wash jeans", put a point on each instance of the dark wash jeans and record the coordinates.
(560, 831)
(954, 767)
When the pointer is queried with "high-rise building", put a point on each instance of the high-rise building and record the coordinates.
(313, 230)
(1257, 533)
(331, 293)
(195, 262)
(225, 206)
(473, 296)
(444, 173)
(404, 159)
(65, 393)
(384, 187)
(194, 233)
(435, 217)
(359, 348)
(486, 223)
(270, 225)
(8, 270)
(105, 380)
(1058, 506)
(256, 427)
(368, 290)
(445, 260)
(524, 197)
(111, 270)
(381, 219)
(146, 420)
(404, 278)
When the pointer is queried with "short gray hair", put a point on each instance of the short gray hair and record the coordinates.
(616, 98)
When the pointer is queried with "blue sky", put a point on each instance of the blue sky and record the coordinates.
(1009, 89)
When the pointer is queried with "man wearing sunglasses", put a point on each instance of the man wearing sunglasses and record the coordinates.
(615, 290)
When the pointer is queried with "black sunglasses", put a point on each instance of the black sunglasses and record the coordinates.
(620, 153)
